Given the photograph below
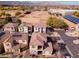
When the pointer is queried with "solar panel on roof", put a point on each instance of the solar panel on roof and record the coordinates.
(72, 18)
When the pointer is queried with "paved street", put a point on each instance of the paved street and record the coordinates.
(74, 49)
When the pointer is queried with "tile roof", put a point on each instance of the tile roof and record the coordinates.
(10, 25)
(26, 24)
(5, 37)
(19, 36)
(38, 39)
(39, 25)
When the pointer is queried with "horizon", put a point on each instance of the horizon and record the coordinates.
(62, 2)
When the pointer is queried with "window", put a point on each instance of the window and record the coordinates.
(21, 28)
(50, 52)
(42, 30)
(39, 47)
(29, 28)
(39, 29)
(47, 52)
(34, 51)
(39, 52)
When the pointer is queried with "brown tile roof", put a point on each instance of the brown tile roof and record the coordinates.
(41, 39)
(39, 25)
(26, 24)
(19, 36)
(10, 25)
(38, 39)
(5, 37)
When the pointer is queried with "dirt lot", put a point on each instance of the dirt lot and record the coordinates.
(36, 17)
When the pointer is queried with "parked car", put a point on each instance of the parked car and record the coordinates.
(67, 55)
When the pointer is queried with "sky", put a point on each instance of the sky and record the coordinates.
(66, 2)
(69, 2)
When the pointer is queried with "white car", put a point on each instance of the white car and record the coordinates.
(67, 57)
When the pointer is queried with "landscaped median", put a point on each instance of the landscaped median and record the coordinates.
(72, 34)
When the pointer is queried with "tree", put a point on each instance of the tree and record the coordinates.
(56, 23)
(19, 21)
(2, 22)
(17, 13)
(8, 19)
(3, 13)
(1, 48)
(76, 13)
(8, 15)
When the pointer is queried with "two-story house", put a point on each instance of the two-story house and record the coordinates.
(11, 27)
(16, 43)
(39, 45)
(4, 36)
(21, 38)
(25, 27)
(40, 28)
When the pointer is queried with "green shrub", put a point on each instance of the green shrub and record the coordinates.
(17, 13)
(56, 23)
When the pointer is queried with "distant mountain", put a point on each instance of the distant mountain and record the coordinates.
(48, 3)
(16, 2)
(42, 3)
(33, 3)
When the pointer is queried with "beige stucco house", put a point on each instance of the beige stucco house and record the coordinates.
(16, 42)
(40, 28)
(25, 27)
(39, 45)
(11, 27)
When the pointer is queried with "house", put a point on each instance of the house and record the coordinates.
(39, 45)
(11, 27)
(21, 38)
(40, 28)
(77, 27)
(3, 37)
(16, 43)
(25, 28)
(60, 12)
